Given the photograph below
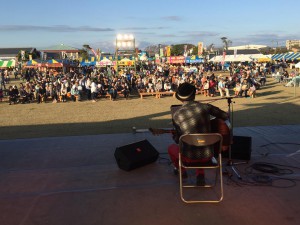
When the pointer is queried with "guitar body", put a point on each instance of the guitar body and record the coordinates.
(220, 126)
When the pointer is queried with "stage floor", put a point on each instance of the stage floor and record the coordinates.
(76, 181)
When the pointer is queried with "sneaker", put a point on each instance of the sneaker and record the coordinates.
(200, 180)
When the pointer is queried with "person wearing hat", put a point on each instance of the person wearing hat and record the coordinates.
(191, 117)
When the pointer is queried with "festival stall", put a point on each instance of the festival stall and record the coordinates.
(53, 63)
(104, 62)
(7, 63)
(32, 64)
(88, 62)
(232, 58)
(291, 56)
(264, 58)
(126, 62)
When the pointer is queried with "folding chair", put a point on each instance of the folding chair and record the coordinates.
(201, 147)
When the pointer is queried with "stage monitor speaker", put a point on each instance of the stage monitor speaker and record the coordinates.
(241, 148)
(135, 155)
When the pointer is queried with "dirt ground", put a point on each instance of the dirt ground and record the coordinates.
(273, 105)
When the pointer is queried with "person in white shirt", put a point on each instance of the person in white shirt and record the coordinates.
(223, 88)
(94, 91)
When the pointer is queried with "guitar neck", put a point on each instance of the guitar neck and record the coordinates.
(161, 131)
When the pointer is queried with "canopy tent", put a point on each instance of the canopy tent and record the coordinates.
(32, 63)
(231, 58)
(256, 56)
(126, 62)
(264, 59)
(104, 62)
(286, 56)
(53, 63)
(297, 65)
(88, 62)
(277, 56)
(294, 56)
(7, 63)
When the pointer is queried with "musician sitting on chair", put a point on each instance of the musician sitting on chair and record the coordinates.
(191, 117)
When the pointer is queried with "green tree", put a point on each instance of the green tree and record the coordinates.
(179, 49)
(84, 52)
(35, 55)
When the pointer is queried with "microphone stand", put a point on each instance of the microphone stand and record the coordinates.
(230, 163)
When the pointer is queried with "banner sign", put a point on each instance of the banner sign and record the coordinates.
(176, 59)
(194, 59)
(200, 48)
(161, 52)
(104, 63)
(168, 51)
(126, 63)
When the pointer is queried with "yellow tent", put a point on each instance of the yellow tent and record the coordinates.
(264, 59)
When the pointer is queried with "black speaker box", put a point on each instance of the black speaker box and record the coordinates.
(135, 155)
(240, 149)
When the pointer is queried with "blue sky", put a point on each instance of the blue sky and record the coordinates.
(42, 24)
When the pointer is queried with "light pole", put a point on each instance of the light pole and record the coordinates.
(125, 45)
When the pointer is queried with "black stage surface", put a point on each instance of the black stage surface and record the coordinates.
(76, 181)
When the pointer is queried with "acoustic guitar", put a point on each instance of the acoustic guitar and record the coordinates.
(217, 126)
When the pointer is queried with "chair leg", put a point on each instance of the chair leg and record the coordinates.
(220, 190)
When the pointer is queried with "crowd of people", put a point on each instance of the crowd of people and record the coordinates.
(90, 83)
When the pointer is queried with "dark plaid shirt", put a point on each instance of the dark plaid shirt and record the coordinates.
(194, 117)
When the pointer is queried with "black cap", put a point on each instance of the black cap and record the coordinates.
(186, 92)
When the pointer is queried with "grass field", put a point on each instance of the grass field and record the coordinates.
(274, 105)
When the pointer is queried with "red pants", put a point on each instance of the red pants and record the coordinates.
(173, 151)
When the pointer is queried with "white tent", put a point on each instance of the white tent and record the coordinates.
(231, 58)
(104, 62)
(297, 65)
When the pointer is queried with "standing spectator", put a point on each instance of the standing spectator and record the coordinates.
(74, 92)
(87, 85)
(2, 80)
(38, 93)
(11, 96)
(1, 94)
(94, 91)
(63, 92)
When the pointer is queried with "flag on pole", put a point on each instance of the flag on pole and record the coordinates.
(224, 55)
(185, 51)
(200, 48)
(168, 51)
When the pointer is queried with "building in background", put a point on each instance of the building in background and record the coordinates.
(247, 47)
(292, 43)
(59, 52)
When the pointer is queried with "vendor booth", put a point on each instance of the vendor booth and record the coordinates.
(7, 63)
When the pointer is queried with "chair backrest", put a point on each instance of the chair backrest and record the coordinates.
(200, 146)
